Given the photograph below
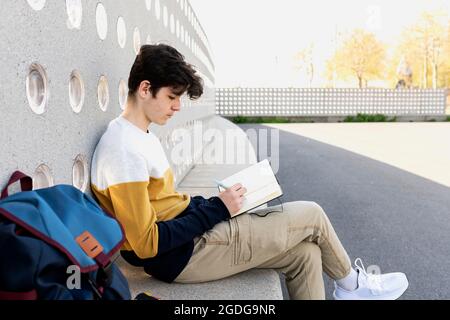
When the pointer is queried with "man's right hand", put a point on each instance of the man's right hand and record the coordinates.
(233, 198)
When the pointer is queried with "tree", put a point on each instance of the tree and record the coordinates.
(361, 55)
(424, 46)
(303, 60)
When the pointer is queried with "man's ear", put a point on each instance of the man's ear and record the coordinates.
(144, 88)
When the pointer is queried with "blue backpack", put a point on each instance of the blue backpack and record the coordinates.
(57, 243)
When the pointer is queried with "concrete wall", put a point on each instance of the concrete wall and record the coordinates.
(292, 102)
(61, 37)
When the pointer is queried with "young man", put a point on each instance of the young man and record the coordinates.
(178, 238)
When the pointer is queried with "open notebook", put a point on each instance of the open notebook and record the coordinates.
(261, 183)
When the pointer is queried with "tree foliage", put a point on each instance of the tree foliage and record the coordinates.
(425, 47)
(361, 55)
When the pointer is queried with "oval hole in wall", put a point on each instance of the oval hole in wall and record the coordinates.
(136, 40)
(42, 177)
(148, 4)
(101, 21)
(165, 17)
(123, 93)
(80, 173)
(157, 9)
(37, 88)
(76, 91)
(36, 4)
(121, 32)
(103, 93)
(74, 11)
(172, 23)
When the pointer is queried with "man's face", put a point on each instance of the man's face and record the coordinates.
(162, 107)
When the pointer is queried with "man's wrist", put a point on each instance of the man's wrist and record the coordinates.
(221, 205)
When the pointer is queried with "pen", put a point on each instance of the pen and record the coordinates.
(220, 184)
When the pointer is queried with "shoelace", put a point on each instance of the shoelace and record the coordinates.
(373, 280)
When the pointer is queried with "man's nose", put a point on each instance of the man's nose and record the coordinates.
(177, 105)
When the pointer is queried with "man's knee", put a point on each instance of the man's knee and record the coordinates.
(314, 206)
(307, 211)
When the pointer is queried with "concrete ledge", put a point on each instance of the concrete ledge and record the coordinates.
(257, 284)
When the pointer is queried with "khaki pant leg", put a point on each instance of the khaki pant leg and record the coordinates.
(302, 267)
(249, 241)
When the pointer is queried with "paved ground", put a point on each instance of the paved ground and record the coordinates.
(386, 190)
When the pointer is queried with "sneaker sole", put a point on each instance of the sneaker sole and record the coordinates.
(393, 296)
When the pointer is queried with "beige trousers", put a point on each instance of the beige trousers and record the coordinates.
(300, 242)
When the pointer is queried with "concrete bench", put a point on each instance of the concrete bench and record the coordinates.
(257, 284)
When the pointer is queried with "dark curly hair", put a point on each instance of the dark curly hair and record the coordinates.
(164, 66)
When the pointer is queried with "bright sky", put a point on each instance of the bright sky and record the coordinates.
(253, 41)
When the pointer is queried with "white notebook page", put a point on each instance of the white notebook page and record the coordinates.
(260, 182)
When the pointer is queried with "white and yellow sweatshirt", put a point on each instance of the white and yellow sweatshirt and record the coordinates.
(132, 179)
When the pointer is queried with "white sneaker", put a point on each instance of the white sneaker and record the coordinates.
(388, 286)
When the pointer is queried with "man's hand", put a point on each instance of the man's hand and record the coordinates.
(233, 198)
